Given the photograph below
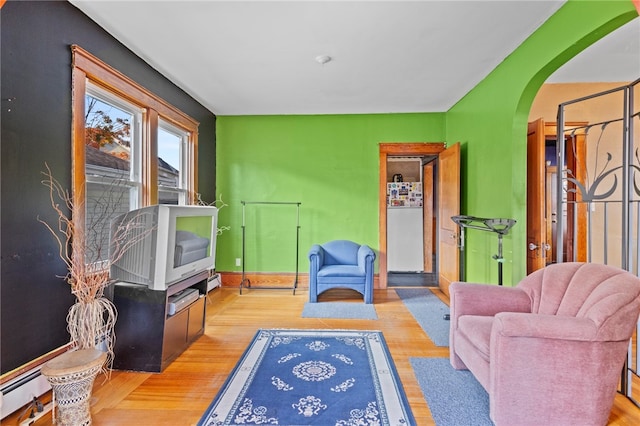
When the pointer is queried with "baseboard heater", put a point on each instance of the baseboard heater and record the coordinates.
(20, 391)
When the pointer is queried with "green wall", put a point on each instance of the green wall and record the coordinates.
(491, 124)
(329, 163)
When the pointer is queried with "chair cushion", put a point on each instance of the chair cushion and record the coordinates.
(477, 330)
(340, 271)
(340, 252)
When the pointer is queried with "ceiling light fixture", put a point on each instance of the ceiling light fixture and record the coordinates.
(323, 59)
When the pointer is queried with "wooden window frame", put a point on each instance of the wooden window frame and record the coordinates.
(87, 67)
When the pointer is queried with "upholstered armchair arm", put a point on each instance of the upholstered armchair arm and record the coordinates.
(552, 327)
(483, 300)
(316, 256)
(486, 299)
(366, 256)
(538, 356)
(316, 260)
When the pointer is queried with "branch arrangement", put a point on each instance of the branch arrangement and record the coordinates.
(91, 320)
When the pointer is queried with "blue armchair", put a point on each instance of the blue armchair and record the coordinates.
(341, 264)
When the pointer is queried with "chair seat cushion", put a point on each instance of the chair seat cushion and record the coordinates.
(340, 271)
(477, 330)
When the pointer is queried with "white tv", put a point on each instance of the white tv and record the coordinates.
(163, 244)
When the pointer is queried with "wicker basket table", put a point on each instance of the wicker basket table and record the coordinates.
(71, 377)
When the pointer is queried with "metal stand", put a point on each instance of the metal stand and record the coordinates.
(246, 282)
(499, 226)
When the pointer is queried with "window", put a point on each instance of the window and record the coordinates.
(130, 149)
(172, 151)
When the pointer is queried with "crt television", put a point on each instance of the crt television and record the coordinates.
(163, 244)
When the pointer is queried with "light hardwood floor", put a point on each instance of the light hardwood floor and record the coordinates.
(182, 393)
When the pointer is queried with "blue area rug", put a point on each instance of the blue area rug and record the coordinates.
(312, 377)
(455, 397)
(429, 311)
(341, 310)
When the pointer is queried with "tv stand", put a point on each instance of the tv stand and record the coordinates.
(148, 336)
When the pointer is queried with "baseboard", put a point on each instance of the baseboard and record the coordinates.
(264, 279)
(272, 279)
(20, 386)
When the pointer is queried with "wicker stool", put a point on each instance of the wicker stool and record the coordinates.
(71, 376)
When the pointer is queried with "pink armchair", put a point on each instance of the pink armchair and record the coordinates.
(549, 351)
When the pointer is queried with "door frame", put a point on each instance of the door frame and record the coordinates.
(386, 150)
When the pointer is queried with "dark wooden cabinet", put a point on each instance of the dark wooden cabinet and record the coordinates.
(147, 337)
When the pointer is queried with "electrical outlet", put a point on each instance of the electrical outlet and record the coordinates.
(238, 261)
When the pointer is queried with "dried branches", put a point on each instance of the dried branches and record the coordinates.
(68, 238)
(84, 238)
(87, 245)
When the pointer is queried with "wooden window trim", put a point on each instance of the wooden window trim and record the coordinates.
(88, 67)
(112, 79)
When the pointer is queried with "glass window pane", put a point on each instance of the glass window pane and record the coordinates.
(107, 134)
(171, 185)
(109, 185)
(104, 202)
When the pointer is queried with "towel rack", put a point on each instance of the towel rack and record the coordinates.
(246, 282)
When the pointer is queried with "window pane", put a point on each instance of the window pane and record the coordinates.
(107, 137)
(110, 188)
(104, 202)
(171, 186)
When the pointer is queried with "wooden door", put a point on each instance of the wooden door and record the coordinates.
(536, 174)
(448, 183)
(575, 241)
(542, 213)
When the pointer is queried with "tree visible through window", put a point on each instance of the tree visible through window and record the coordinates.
(111, 184)
(107, 126)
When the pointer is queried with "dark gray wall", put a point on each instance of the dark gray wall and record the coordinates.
(36, 129)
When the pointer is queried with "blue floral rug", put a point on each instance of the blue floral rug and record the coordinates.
(312, 377)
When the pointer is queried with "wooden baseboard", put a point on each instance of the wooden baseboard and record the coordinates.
(272, 279)
(264, 279)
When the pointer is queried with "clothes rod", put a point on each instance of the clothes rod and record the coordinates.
(271, 202)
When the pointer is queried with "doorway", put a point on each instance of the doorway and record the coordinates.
(410, 221)
(440, 168)
(543, 213)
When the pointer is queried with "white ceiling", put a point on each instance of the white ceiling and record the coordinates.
(258, 57)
